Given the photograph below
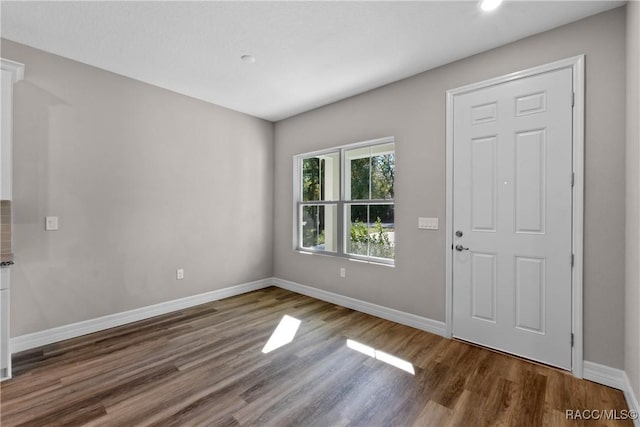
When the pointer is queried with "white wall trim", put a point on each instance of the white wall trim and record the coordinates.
(60, 333)
(16, 68)
(448, 278)
(418, 322)
(601, 374)
(615, 378)
(632, 399)
(578, 215)
(576, 64)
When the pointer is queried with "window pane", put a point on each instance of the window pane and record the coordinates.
(311, 178)
(382, 233)
(382, 176)
(360, 178)
(357, 171)
(321, 177)
(371, 230)
(357, 233)
(319, 227)
(370, 171)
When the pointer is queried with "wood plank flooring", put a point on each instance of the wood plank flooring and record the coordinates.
(204, 366)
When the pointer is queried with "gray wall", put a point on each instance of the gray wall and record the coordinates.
(144, 181)
(413, 110)
(632, 323)
(139, 177)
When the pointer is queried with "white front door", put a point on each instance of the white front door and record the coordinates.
(512, 209)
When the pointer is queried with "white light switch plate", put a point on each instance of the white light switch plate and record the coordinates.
(427, 223)
(51, 223)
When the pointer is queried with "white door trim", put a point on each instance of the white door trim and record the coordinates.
(576, 64)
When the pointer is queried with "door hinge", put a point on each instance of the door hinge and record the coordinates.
(573, 99)
(571, 339)
(572, 260)
(573, 179)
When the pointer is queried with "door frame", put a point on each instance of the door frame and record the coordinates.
(576, 64)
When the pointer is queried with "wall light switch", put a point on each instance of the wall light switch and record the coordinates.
(427, 223)
(179, 274)
(51, 223)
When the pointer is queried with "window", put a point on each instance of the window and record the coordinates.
(345, 201)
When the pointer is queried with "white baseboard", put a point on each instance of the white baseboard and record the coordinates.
(60, 333)
(418, 322)
(601, 374)
(632, 399)
(612, 377)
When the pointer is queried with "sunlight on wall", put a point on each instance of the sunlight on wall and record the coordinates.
(381, 356)
(284, 333)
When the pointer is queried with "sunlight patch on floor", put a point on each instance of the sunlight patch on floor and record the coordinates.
(284, 333)
(381, 356)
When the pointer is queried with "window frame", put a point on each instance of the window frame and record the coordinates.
(340, 202)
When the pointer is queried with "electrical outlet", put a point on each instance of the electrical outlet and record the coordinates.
(343, 272)
(179, 274)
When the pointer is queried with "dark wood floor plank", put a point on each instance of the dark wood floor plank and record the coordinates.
(205, 366)
(433, 415)
(422, 388)
(282, 406)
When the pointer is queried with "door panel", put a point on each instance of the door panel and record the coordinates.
(483, 184)
(483, 284)
(530, 285)
(531, 104)
(530, 186)
(512, 201)
(484, 113)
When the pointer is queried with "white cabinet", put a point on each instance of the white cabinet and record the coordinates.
(11, 72)
(5, 354)
(6, 154)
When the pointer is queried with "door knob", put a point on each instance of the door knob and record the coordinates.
(459, 233)
(461, 248)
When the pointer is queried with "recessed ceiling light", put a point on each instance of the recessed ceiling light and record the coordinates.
(248, 59)
(488, 5)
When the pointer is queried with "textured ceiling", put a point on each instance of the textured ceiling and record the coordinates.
(308, 54)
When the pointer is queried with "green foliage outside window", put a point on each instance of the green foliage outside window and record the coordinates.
(380, 169)
(371, 241)
(311, 178)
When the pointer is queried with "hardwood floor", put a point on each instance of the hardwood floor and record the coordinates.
(205, 366)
